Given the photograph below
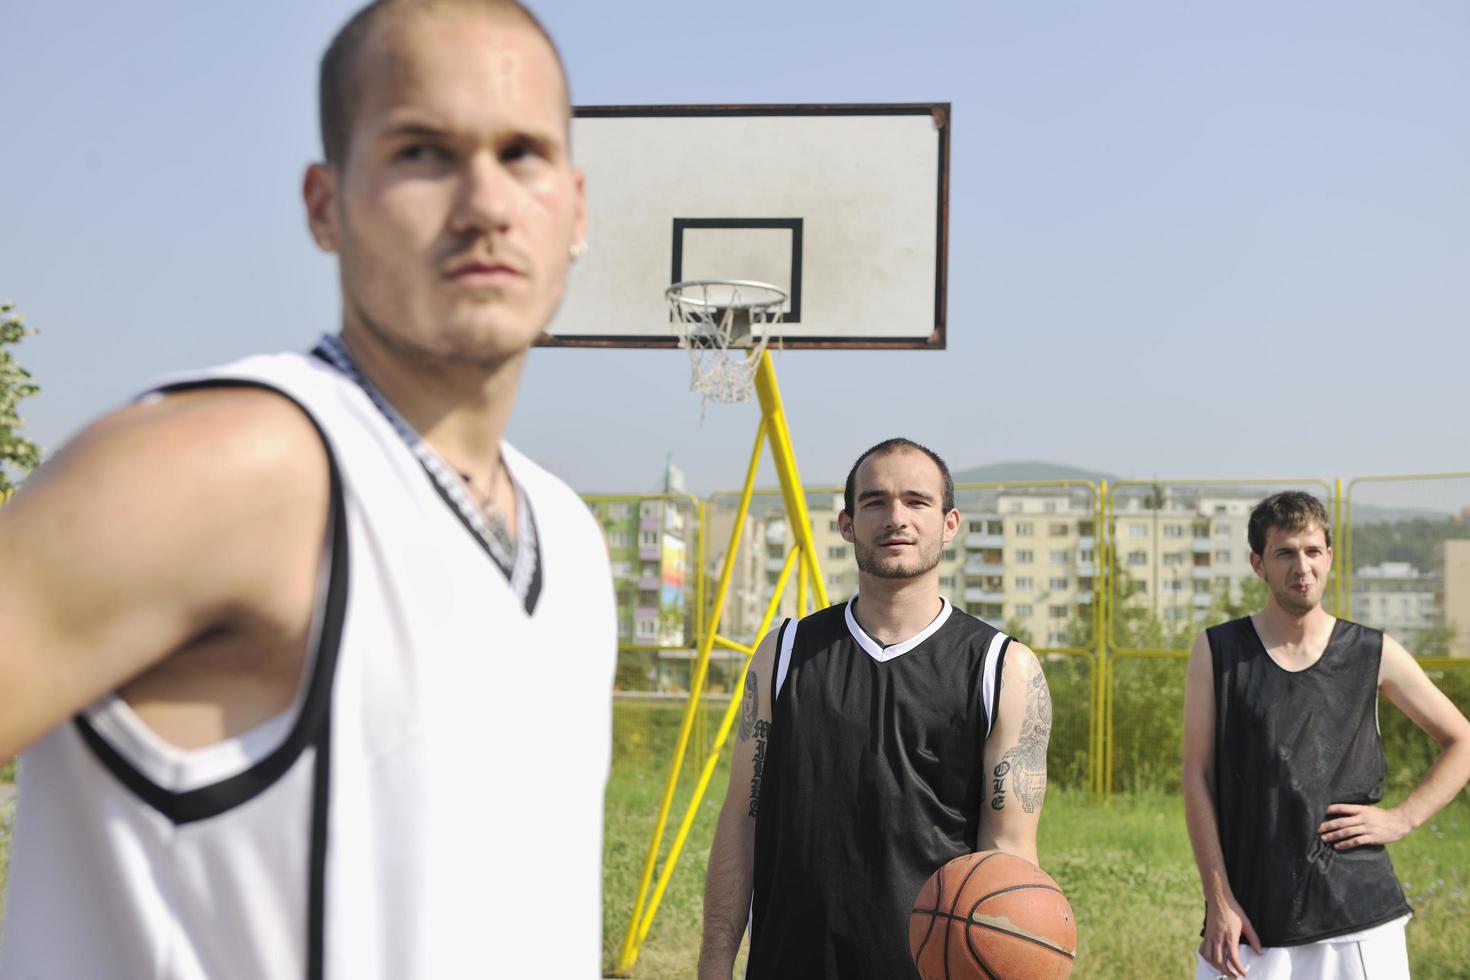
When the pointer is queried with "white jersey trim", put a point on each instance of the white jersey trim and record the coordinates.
(785, 642)
(990, 678)
(883, 654)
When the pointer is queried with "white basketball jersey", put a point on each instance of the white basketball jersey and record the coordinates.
(431, 806)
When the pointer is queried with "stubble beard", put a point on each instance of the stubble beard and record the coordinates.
(894, 568)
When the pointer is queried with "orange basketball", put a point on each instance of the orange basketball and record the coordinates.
(992, 916)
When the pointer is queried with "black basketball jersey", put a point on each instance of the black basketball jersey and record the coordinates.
(1287, 745)
(872, 780)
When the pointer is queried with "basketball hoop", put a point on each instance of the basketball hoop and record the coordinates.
(724, 325)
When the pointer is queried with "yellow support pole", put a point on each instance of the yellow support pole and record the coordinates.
(803, 557)
(710, 763)
(774, 419)
(630, 949)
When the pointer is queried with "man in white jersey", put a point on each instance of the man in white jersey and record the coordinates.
(1284, 771)
(310, 668)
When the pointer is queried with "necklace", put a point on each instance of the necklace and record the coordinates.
(496, 526)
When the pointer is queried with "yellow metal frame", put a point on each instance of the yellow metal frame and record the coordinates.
(810, 586)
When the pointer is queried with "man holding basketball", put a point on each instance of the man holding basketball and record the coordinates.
(269, 632)
(878, 740)
(1284, 771)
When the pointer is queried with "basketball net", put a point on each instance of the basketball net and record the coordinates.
(724, 324)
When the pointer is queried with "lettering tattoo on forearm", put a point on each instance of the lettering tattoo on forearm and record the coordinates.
(1026, 761)
(762, 732)
(749, 704)
(998, 801)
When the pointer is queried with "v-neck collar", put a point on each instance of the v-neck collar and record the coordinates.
(883, 654)
(521, 563)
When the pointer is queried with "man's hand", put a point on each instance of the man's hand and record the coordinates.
(1225, 925)
(1353, 825)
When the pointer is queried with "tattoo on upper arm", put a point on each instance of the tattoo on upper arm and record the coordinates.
(758, 767)
(1026, 761)
(749, 704)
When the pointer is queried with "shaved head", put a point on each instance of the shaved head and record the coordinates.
(340, 81)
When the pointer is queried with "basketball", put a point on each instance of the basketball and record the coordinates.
(992, 916)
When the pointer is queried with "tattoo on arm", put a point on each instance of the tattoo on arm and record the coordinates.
(762, 732)
(1026, 762)
(749, 704)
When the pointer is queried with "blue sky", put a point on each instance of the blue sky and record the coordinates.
(1187, 239)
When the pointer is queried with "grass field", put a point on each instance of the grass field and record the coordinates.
(1125, 865)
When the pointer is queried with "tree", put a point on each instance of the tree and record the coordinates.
(18, 455)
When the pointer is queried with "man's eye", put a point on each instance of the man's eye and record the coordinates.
(420, 153)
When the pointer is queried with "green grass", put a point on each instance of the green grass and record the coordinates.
(1125, 865)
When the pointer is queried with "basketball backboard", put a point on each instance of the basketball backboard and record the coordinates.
(843, 207)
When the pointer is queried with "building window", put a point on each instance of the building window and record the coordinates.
(1138, 530)
(1050, 507)
(837, 551)
(1222, 556)
(1173, 530)
(949, 554)
(1057, 612)
(647, 628)
(832, 526)
(621, 569)
(1139, 588)
(648, 539)
(1058, 529)
(617, 512)
(1137, 558)
(1223, 531)
(617, 539)
(1084, 554)
(946, 581)
(649, 508)
(977, 527)
(1023, 610)
(1025, 556)
(1057, 584)
(624, 629)
(1023, 583)
(1059, 557)
(1025, 529)
(1173, 559)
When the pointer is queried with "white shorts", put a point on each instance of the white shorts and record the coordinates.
(1379, 953)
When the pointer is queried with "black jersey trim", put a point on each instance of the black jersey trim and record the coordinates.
(315, 714)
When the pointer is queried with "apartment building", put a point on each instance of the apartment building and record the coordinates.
(649, 545)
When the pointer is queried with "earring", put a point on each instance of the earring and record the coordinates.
(578, 249)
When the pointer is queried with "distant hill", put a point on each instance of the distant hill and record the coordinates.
(1024, 471)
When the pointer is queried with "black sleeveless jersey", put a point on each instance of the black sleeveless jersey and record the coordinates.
(1287, 745)
(873, 779)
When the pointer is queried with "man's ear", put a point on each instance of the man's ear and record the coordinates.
(844, 526)
(319, 191)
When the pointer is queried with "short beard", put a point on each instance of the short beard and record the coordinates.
(867, 562)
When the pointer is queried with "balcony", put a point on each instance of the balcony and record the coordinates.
(1083, 598)
(984, 595)
(645, 612)
(983, 568)
(1086, 542)
(650, 524)
(649, 554)
(776, 533)
(1086, 569)
(649, 583)
(1200, 546)
(974, 541)
(1201, 600)
(1202, 573)
(775, 564)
